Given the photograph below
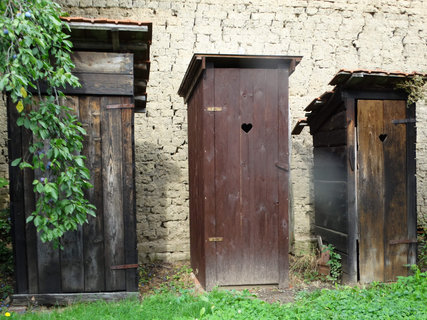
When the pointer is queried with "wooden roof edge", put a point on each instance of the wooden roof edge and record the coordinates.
(198, 64)
(344, 74)
(319, 101)
(301, 123)
(105, 21)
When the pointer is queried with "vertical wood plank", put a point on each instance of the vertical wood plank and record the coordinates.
(244, 240)
(129, 219)
(93, 231)
(411, 187)
(195, 163)
(283, 158)
(72, 269)
(371, 190)
(208, 173)
(17, 195)
(112, 157)
(29, 204)
(351, 165)
(395, 205)
(227, 177)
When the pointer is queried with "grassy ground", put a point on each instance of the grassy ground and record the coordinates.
(405, 299)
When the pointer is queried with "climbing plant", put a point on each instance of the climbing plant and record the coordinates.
(35, 53)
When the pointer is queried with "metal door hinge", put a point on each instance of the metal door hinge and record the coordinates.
(405, 241)
(216, 239)
(124, 266)
(403, 121)
(213, 109)
(120, 106)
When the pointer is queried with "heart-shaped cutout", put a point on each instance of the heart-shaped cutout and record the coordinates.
(247, 127)
(382, 137)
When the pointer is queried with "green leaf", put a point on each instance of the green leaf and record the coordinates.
(16, 162)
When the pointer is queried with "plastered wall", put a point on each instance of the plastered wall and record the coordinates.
(350, 34)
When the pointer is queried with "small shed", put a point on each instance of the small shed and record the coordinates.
(364, 173)
(100, 258)
(238, 141)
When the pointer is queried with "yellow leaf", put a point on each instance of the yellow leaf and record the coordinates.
(20, 106)
(23, 92)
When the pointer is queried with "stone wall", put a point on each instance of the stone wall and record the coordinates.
(330, 34)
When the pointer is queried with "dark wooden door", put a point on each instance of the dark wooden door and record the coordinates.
(105, 109)
(382, 198)
(251, 160)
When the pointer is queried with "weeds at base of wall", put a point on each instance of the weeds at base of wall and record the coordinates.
(304, 269)
(160, 277)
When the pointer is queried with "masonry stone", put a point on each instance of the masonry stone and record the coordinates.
(330, 34)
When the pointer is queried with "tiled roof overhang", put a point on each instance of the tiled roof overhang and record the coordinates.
(361, 79)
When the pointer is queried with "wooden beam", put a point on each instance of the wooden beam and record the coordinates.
(351, 165)
(107, 26)
(64, 299)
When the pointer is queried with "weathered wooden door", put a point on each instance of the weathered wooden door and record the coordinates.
(382, 184)
(98, 255)
(251, 176)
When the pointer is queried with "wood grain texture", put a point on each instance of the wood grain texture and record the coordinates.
(229, 219)
(17, 207)
(371, 190)
(395, 205)
(93, 231)
(411, 186)
(283, 186)
(330, 138)
(30, 205)
(351, 270)
(208, 181)
(195, 162)
(112, 177)
(102, 62)
(71, 258)
(129, 208)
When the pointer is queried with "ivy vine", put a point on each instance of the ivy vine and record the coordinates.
(35, 51)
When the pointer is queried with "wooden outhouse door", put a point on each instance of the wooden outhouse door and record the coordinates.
(251, 176)
(382, 183)
(101, 255)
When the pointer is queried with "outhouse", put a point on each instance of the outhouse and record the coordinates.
(364, 173)
(238, 142)
(99, 260)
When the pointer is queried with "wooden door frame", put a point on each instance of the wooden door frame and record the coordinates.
(350, 98)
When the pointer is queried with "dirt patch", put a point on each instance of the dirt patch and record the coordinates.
(160, 277)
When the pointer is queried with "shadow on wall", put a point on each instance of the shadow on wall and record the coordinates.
(162, 220)
(302, 186)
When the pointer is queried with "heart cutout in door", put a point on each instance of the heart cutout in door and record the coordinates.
(382, 137)
(246, 127)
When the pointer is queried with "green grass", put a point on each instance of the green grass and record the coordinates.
(405, 299)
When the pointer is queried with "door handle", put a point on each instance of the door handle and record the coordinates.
(282, 166)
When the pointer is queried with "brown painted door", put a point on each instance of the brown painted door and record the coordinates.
(247, 175)
(382, 198)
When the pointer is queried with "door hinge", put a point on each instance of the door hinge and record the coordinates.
(403, 121)
(405, 241)
(216, 239)
(120, 106)
(213, 109)
(124, 266)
